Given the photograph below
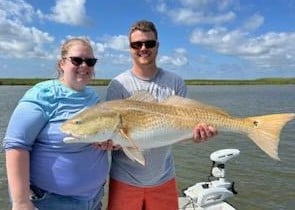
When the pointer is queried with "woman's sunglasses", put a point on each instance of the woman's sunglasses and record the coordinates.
(148, 44)
(77, 61)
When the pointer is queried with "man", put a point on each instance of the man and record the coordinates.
(153, 186)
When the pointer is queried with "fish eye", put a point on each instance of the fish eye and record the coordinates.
(77, 122)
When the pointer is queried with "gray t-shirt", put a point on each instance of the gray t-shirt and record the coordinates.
(159, 166)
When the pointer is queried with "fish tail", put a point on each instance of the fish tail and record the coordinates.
(266, 132)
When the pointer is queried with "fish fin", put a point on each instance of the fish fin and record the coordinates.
(267, 131)
(190, 103)
(142, 95)
(133, 151)
(123, 133)
(134, 154)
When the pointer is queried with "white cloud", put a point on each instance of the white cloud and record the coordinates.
(178, 58)
(19, 10)
(218, 39)
(267, 50)
(253, 23)
(70, 12)
(117, 58)
(198, 12)
(98, 47)
(219, 5)
(119, 42)
(17, 39)
(188, 16)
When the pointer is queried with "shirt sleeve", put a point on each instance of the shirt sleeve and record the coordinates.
(24, 126)
(115, 90)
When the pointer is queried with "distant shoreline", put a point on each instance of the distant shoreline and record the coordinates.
(105, 82)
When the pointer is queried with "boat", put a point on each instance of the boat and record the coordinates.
(211, 194)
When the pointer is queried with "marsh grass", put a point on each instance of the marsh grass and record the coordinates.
(104, 82)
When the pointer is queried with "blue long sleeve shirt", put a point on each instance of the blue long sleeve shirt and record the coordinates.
(78, 169)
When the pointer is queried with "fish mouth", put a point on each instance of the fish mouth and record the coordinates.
(69, 139)
(70, 134)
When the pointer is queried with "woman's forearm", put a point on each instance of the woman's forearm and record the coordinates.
(18, 167)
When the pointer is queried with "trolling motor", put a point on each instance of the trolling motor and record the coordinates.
(204, 195)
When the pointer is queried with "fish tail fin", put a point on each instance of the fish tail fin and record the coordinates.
(266, 133)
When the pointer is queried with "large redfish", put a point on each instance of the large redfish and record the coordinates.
(140, 123)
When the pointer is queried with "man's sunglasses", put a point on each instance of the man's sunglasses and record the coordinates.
(77, 61)
(148, 44)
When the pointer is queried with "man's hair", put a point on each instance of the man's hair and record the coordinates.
(144, 26)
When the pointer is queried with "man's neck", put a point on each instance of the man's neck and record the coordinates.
(145, 72)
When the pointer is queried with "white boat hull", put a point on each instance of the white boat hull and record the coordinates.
(185, 203)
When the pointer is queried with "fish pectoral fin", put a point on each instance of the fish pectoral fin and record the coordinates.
(134, 154)
(132, 151)
(123, 133)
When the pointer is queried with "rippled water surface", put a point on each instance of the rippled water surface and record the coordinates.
(261, 182)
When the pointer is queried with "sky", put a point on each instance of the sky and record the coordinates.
(199, 39)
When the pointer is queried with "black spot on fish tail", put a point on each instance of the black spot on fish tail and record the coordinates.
(255, 123)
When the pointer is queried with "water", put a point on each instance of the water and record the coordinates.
(261, 182)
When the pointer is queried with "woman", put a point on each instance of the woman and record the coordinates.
(42, 171)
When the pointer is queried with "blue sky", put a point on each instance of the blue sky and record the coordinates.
(199, 39)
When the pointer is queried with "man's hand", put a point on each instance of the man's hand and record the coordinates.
(202, 132)
(106, 145)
